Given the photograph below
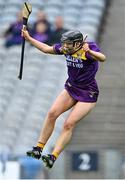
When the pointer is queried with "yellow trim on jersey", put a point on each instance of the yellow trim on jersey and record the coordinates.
(80, 54)
(64, 52)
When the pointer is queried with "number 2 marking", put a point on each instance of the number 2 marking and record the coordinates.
(85, 164)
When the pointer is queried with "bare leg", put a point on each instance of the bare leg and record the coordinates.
(79, 111)
(63, 102)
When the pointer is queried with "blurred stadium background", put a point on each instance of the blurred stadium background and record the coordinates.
(98, 143)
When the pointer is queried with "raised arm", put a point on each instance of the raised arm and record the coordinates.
(96, 55)
(39, 45)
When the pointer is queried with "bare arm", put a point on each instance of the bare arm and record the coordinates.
(39, 45)
(96, 55)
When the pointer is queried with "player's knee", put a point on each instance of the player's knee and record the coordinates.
(68, 126)
(52, 114)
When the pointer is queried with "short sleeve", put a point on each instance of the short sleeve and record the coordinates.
(94, 47)
(57, 49)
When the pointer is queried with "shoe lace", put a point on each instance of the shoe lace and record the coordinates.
(37, 149)
(51, 156)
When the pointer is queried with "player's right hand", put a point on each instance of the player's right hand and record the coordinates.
(25, 34)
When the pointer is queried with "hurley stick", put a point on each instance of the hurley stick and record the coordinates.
(27, 9)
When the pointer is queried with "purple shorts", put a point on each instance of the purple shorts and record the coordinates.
(88, 94)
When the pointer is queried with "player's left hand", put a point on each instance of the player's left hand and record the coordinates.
(85, 47)
(25, 34)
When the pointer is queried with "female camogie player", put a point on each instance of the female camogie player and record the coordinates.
(80, 92)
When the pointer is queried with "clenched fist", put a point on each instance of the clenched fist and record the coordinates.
(25, 34)
(85, 47)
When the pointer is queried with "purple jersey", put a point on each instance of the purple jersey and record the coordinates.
(82, 69)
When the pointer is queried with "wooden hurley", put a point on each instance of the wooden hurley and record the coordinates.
(26, 11)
